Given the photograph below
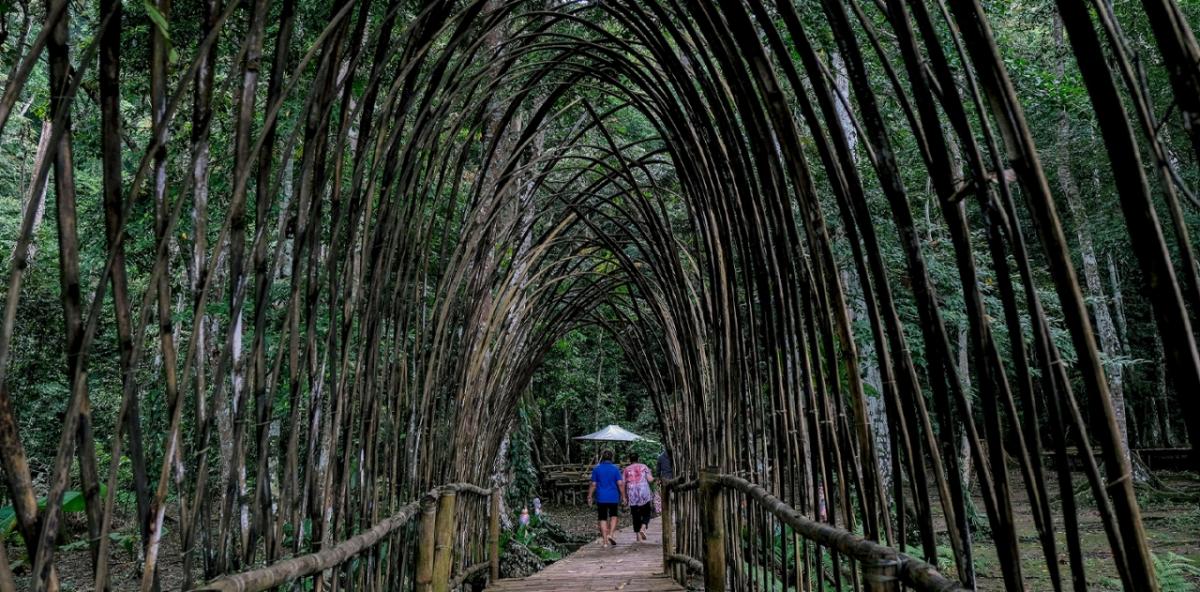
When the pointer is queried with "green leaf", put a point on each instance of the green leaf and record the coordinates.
(73, 502)
(8, 520)
(158, 18)
(78, 545)
(125, 540)
(544, 553)
(160, 21)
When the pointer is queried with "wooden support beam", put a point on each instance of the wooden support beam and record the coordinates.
(443, 549)
(880, 572)
(425, 545)
(668, 542)
(494, 535)
(712, 523)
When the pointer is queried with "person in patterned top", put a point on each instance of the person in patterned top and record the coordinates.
(637, 479)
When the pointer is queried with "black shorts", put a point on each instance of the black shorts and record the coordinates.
(606, 511)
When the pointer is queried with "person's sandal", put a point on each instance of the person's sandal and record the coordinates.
(612, 541)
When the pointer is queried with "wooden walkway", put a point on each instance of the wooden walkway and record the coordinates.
(628, 567)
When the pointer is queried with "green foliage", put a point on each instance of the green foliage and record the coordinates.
(531, 537)
(289, 533)
(585, 381)
(1176, 573)
(945, 557)
(763, 578)
(584, 384)
(73, 502)
(525, 479)
(160, 22)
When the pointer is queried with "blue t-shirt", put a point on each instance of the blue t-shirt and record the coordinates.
(606, 476)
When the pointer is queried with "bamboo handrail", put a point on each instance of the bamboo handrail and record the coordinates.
(469, 571)
(678, 484)
(468, 488)
(883, 567)
(687, 560)
(871, 555)
(294, 568)
(281, 572)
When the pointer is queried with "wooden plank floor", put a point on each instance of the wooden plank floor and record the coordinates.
(628, 567)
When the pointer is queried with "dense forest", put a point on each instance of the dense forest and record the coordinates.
(276, 268)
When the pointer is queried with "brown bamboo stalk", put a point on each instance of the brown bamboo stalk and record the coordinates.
(443, 549)
(713, 524)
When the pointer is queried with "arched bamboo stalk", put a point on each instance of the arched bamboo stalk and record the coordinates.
(441, 191)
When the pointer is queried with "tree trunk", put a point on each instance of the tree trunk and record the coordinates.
(876, 410)
(37, 195)
(1105, 327)
(502, 476)
(162, 213)
(964, 368)
(1166, 425)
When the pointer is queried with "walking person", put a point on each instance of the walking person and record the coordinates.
(637, 479)
(666, 470)
(607, 491)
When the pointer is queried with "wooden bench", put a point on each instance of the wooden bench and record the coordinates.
(566, 481)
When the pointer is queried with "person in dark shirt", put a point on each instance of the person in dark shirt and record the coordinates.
(666, 470)
(607, 492)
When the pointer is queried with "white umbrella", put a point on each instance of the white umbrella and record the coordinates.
(613, 433)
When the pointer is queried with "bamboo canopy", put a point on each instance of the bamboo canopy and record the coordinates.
(326, 277)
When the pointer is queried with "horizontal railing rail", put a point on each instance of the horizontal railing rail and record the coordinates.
(687, 561)
(883, 568)
(435, 560)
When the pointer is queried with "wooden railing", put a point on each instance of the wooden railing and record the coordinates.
(435, 563)
(882, 569)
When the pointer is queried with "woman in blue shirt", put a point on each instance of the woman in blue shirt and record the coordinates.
(607, 491)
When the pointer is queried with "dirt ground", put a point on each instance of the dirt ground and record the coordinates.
(578, 520)
(1170, 515)
(581, 519)
(74, 561)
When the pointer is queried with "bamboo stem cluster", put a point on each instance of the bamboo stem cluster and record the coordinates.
(419, 199)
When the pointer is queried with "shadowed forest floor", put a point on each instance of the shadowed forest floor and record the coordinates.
(1171, 517)
(1170, 514)
(578, 520)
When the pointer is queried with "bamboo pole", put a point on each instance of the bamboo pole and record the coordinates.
(668, 540)
(425, 545)
(880, 572)
(443, 549)
(712, 523)
(397, 324)
(494, 535)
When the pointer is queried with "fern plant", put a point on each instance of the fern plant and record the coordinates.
(1176, 573)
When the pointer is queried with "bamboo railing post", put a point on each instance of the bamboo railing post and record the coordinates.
(668, 542)
(443, 549)
(494, 535)
(880, 572)
(425, 545)
(712, 523)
